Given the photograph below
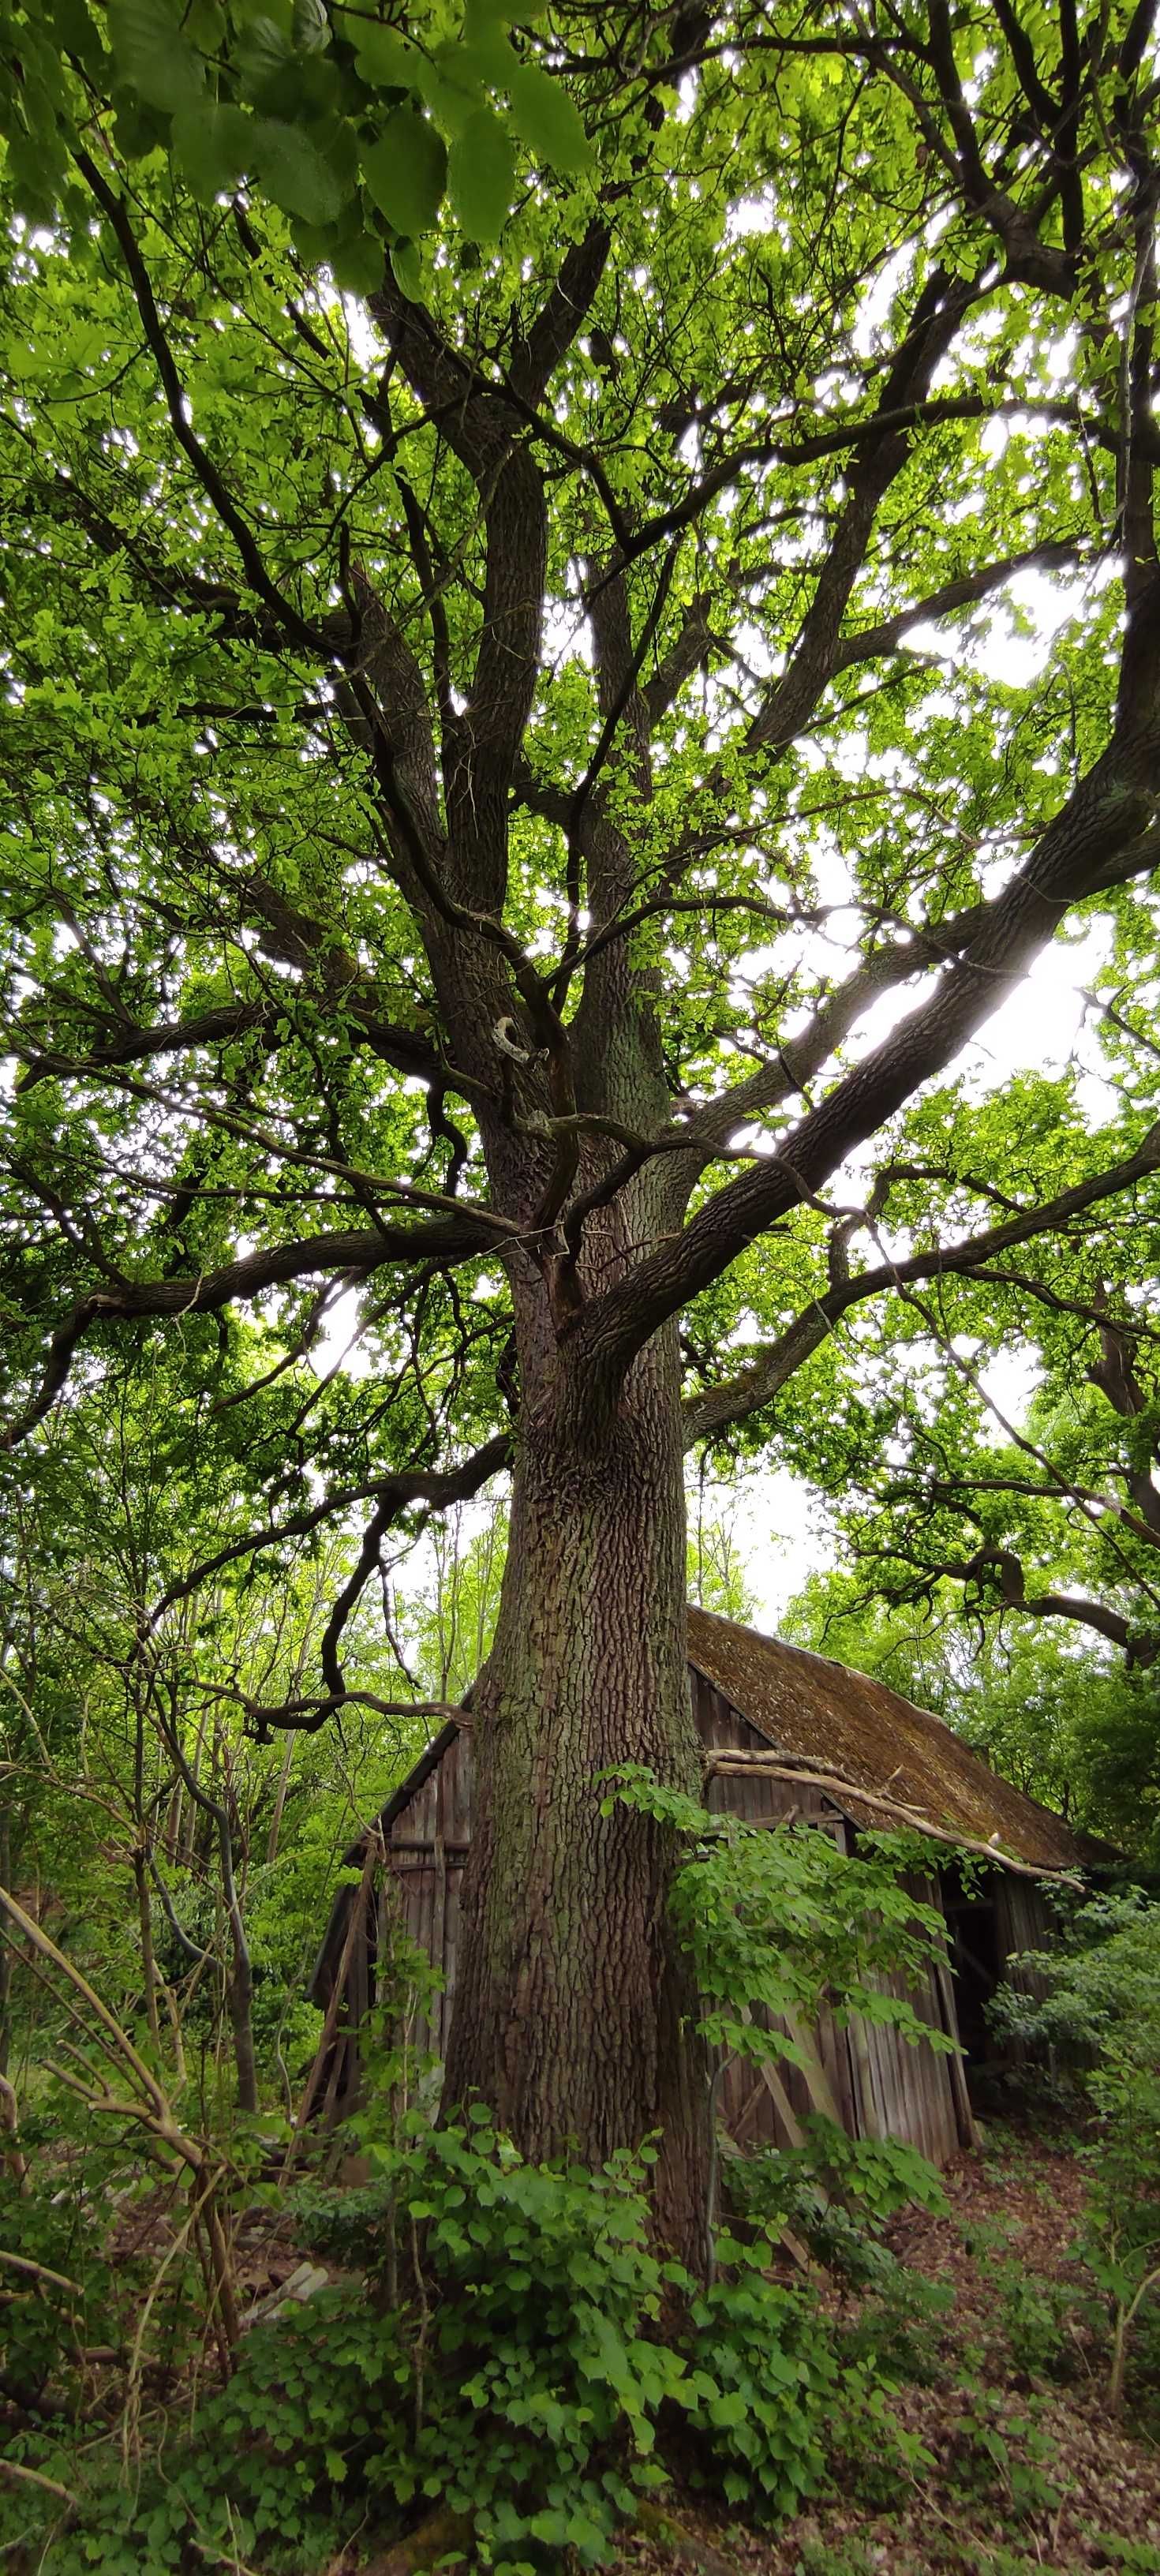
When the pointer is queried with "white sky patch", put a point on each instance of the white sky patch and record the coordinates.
(778, 1536)
(338, 1345)
(1009, 1382)
(1039, 1028)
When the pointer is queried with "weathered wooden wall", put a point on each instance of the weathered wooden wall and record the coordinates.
(427, 1842)
(883, 2086)
(1023, 1921)
(877, 2083)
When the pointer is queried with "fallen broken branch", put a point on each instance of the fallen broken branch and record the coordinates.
(766, 1766)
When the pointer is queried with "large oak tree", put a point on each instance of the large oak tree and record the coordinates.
(469, 780)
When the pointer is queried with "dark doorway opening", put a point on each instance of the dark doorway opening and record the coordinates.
(977, 1963)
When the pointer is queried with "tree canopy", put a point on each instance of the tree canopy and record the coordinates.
(518, 802)
(514, 811)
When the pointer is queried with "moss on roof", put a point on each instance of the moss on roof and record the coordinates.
(815, 1711)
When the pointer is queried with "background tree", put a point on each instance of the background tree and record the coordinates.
(1041, 1503)
(468, 784)
(184, 1853)
(1055, 1712)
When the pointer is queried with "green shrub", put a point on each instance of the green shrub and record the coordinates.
(1102, 2001)
(55, 2288)
(1037, 2317)
(772, 2395)
(533, 2387)
(838, 2193)
(1000, 2449)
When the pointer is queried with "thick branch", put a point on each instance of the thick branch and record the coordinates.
(793, 697)
(756, 1385)
(430, 1486)
(272, 1267)
(387, 1039)
(795, 1065)
(455, 1485)
(766, 1766)
(1007, 1568)
(965, 592)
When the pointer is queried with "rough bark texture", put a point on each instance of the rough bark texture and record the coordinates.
(571, 1996)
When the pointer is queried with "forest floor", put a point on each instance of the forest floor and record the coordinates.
(1010, 2462)
(1005, 2392)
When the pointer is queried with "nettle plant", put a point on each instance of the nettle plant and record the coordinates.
(1099, 2000)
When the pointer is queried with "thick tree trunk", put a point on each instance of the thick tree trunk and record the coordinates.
(571, 2003)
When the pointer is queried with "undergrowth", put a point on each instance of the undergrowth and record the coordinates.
(510, 2354)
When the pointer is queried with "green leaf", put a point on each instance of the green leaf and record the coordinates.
(138, 129)
(479, 14)
(311, 26)
(481, 171)
(214, 146)
(292, 168)
(451, 105)
(152, 55)
(547, 119)
(263, 56)
(76, 33)
(408, 269)
(551, 2527)
(357, 264)
(479, 66)
(406, 171)
(385, 59)
(205, 25)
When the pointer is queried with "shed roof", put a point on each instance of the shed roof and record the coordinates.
(821, 1713)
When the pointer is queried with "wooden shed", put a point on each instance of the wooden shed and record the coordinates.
(844, 1744)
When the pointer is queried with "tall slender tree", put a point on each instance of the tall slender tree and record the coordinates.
(470, 780)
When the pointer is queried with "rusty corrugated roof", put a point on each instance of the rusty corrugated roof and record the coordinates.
(815, 1711)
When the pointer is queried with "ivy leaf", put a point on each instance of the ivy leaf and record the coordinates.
(152, 55)
(214, 146)
(406, 171)
(547, 119)
(481, 171)
(293, 170)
